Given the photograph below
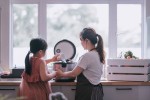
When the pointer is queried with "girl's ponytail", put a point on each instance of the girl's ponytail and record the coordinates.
(28, 67)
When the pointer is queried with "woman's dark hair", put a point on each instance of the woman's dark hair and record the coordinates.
(36, 44)
(90, 34)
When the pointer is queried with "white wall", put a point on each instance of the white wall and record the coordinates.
(147, 8)
(4, 5)
(148, 26)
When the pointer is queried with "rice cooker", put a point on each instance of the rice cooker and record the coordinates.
(67, 50)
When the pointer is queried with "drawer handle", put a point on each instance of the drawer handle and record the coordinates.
(7, 89)
(73, 89)
(123, 88)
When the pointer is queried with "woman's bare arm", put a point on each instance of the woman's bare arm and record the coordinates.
(75, 72)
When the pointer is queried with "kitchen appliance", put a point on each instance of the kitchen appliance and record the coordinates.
(16, 73)
(67, 51)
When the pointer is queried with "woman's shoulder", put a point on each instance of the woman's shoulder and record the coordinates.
(89, 56)
(86, 56)
(91, 53)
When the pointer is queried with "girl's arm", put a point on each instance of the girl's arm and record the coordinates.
(75, 72)
(48, 61)
(45, 76)
(54, 58)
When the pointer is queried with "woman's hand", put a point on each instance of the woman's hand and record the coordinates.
(57, 68)
(59, 73)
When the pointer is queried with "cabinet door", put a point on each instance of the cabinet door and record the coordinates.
(144, 93)
(56, 89)
(120, 92)
(11, 91)
(69, 92)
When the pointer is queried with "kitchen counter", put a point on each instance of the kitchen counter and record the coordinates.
(16, 82)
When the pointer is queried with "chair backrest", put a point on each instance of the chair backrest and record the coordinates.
(57, 96)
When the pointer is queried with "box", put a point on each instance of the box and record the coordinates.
(128, 70)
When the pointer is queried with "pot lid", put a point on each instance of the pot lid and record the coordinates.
(65, 47)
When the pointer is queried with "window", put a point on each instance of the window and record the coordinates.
(65, 21)
(0, 36)
(129, 28)
(25, 27)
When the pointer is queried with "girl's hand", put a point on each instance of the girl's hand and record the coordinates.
(53, 74)
(55, 58)
(57, 68)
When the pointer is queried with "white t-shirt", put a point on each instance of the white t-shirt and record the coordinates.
(92, 67)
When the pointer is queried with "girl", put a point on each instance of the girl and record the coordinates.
(89, 67)
(34, 85)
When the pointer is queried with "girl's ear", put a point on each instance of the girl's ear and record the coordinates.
(40, 51)
(86, 40)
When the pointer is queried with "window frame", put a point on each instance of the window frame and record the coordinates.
(0, 34)
(6, 52)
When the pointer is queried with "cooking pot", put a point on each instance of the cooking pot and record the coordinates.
(67, 50)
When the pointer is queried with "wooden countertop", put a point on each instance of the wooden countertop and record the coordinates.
(16, 82)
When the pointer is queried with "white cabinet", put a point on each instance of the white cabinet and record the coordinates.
(111, 92)
(144, 92)
(120, 92)
(11, 91)
(56, 89)
(126, 92)
(68, 91)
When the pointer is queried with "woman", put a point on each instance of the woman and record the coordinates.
(89, 67)
(34, 85)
